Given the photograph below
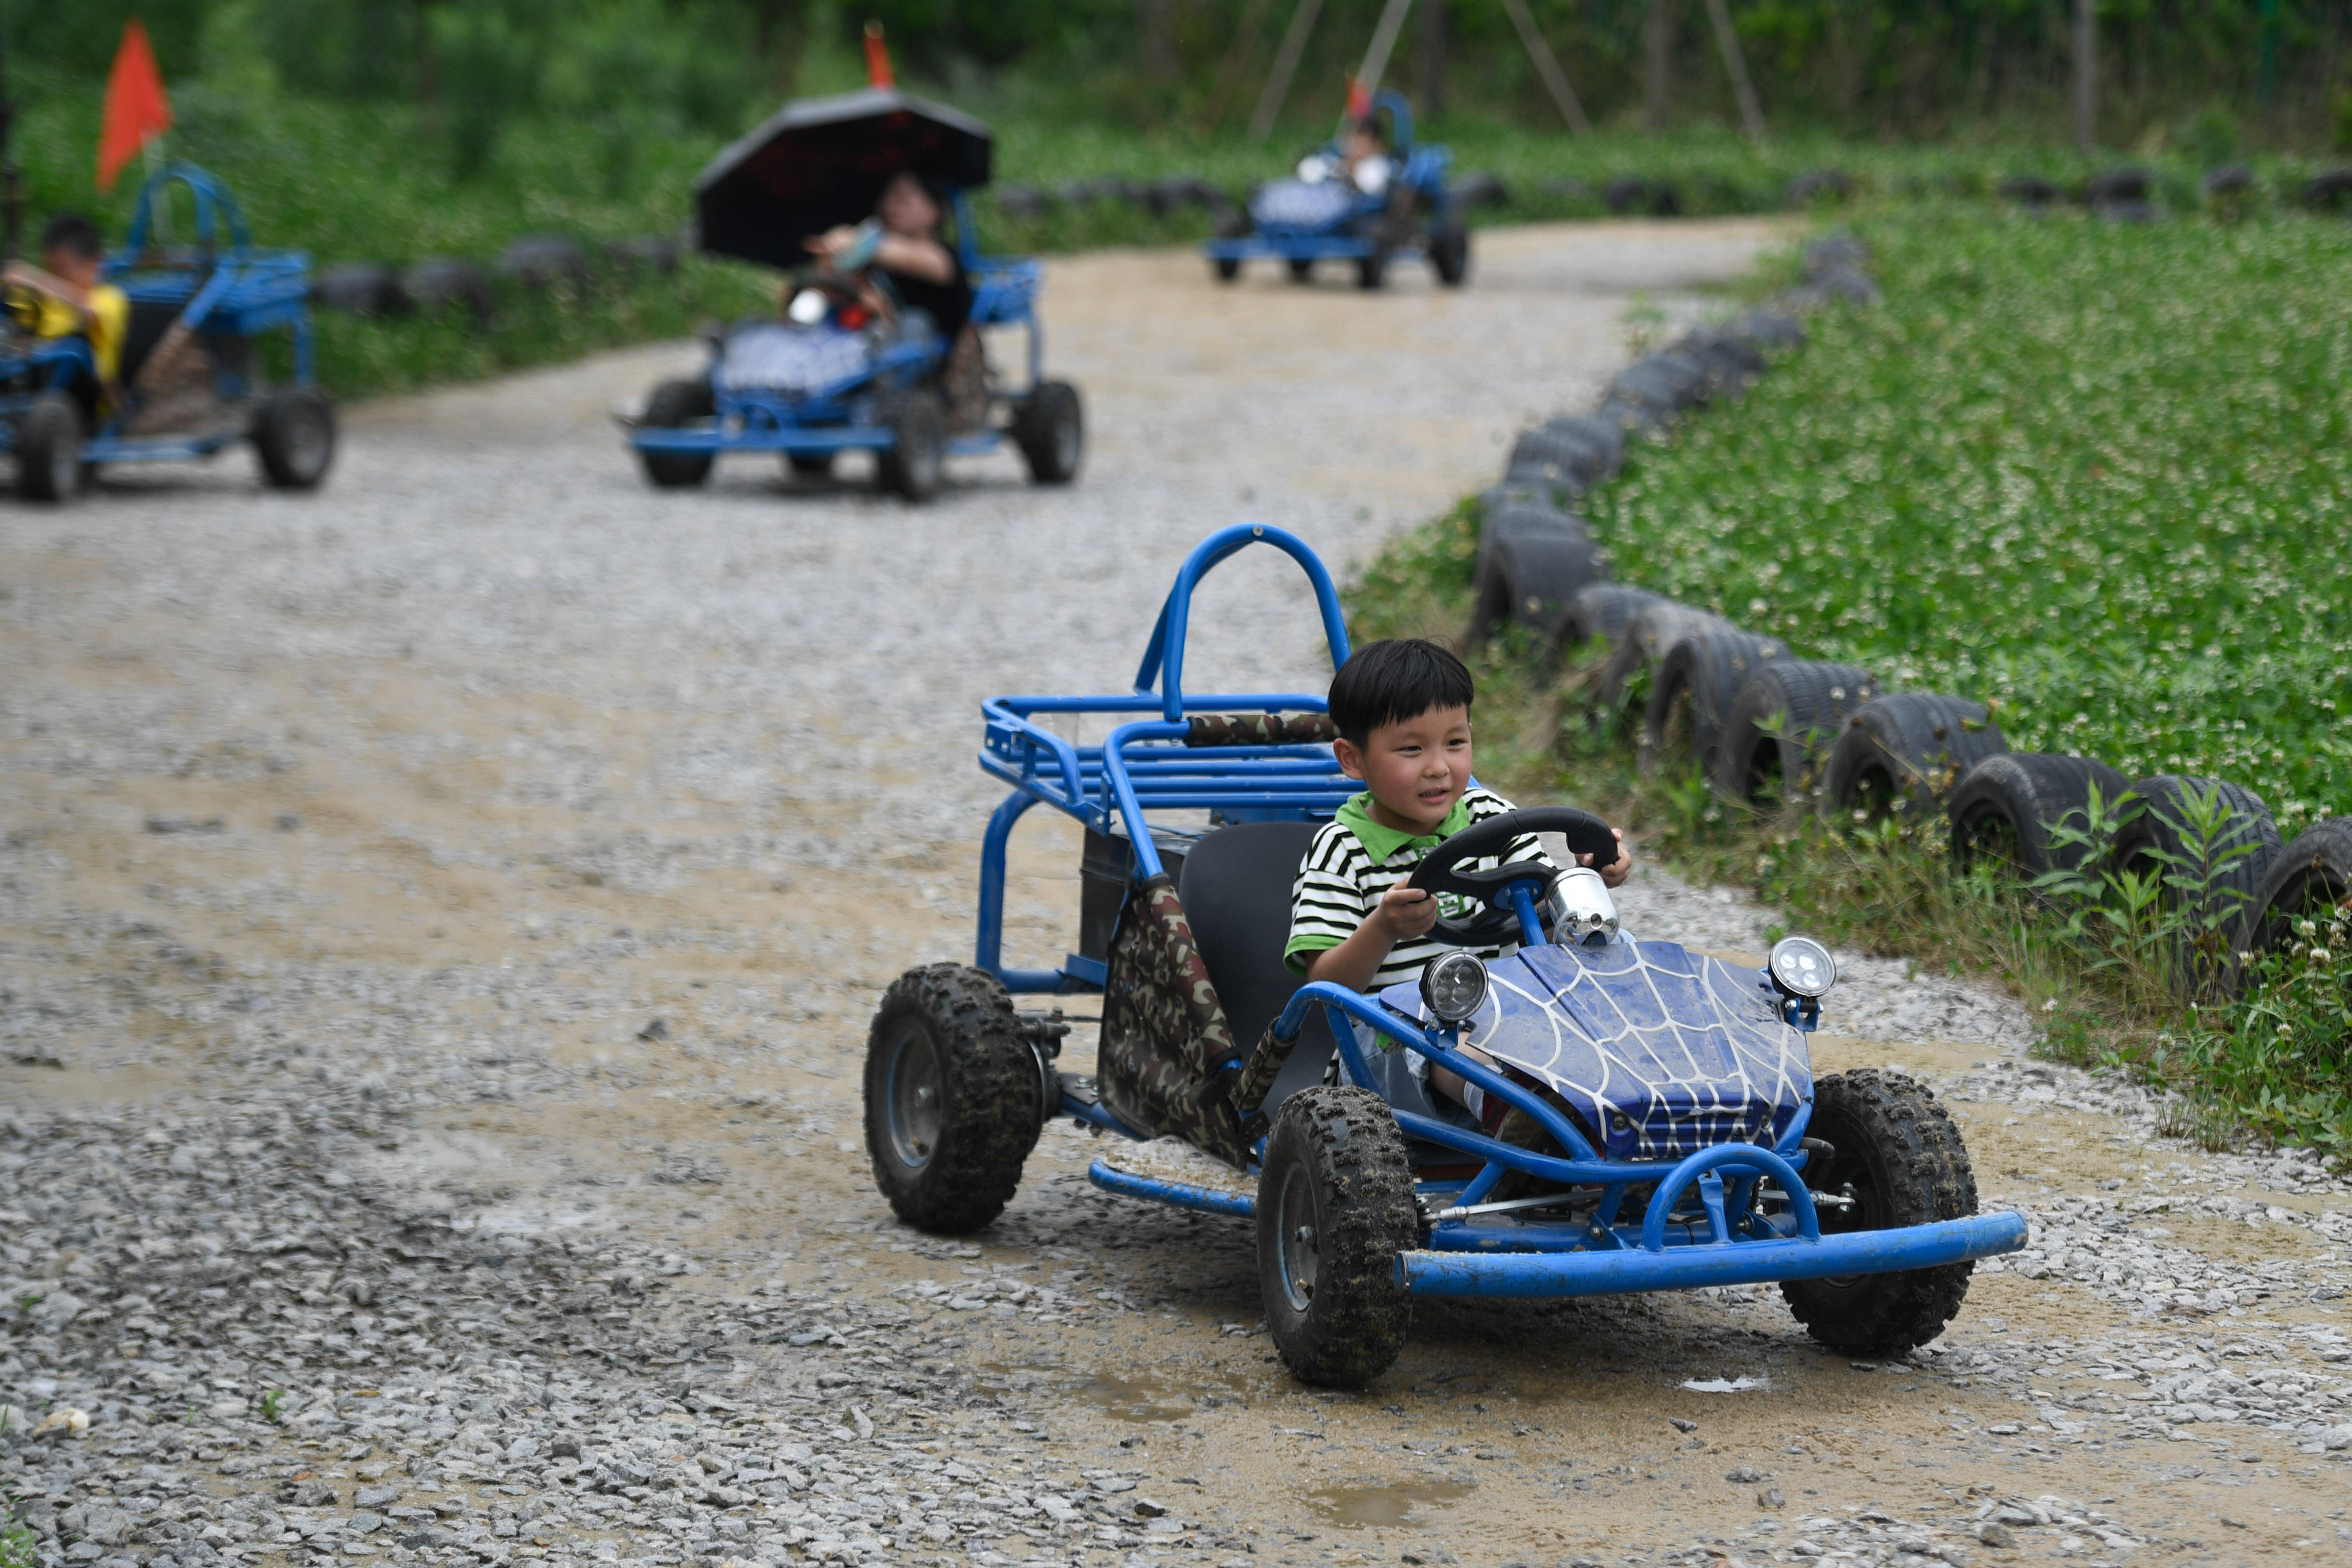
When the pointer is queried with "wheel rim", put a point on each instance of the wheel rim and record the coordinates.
(1296, 1238)
(915, 1103)
(1864, 1211)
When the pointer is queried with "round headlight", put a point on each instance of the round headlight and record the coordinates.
(1454, 985)
(808, 307)
(1803, 967)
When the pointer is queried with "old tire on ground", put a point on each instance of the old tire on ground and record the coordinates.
(953, 1103)
(2007, 806)
(1449, 254)
(810, 464)
(1519, 519)
(1334, 1209)
(915, 463)
(48, 449)
(1571, 452)
(1692, 696)
(2311, 878)
(1601, 610)
(1051, 431)
(1372, 270)
(1903, 752)
(294, 433)
(1649, 637)
(1780, 727)
(1528, 580)
(676, 405)
(1896, 1153)
(2211, 879)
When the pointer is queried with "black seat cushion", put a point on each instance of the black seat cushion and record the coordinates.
(150, 319)
(1235, 889)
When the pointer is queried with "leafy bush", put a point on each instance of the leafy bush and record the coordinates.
(2281, 1058)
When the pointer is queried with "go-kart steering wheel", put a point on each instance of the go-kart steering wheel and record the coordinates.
(1586, 834)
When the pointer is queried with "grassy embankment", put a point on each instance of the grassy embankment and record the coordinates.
(372, 182)
(2097, 476)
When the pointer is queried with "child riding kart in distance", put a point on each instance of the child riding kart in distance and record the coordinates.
(1402, 710)
(62, 298)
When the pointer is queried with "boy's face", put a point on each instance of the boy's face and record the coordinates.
(81, 271)
(1415, 767)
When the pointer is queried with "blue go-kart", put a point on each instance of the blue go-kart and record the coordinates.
(1404, 210)
(195, 312)
(1662, 1127)
(837, 374)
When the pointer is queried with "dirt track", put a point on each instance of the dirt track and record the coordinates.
(438, 920)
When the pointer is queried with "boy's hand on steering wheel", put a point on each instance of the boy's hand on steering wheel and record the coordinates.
(1615, 873)
(1407, 912)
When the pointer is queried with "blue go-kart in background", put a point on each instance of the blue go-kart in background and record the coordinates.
(1299, 222)
(1665, 1128)
(829, 377)
(196, 309)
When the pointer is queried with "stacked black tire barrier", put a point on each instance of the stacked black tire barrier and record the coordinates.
(1903, 753)
(531, 265)
(2160, 841)
(1692, 694)
(1780, 727)
(2025, 809)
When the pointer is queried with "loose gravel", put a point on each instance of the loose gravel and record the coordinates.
(438, 923)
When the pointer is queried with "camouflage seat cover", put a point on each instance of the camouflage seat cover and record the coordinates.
(1164, 1035)
(1261, 729)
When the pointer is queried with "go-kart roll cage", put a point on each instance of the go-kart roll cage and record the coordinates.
(225, 287)
(826, 419)
(1471, 1246)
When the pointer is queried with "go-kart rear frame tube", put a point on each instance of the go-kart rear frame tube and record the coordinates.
(1623, 1269)
(1163, 656)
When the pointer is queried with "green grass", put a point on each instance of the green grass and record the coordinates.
(2095, 475)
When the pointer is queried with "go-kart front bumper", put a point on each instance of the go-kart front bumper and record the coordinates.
(1289, 247)
(1548, 1260)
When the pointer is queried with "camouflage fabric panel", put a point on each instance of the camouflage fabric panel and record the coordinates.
(1266, 1063)
(1261, 729)
(1164, 1034)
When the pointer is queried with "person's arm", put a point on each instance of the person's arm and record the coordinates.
(1403, 913)
(916, 257)
(25, 275)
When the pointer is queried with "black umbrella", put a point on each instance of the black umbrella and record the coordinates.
(824, 160)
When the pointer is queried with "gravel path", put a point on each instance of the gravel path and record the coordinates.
(438, 923)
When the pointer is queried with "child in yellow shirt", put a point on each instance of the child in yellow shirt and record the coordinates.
(62, 298)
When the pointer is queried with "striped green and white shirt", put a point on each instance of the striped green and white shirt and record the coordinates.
(1354, 861)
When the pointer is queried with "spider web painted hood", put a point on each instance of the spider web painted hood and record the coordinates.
(1660, 1051)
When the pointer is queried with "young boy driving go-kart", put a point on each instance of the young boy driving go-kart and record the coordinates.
(1402, 710)
(63, 297)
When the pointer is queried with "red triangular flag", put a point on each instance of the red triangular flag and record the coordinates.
(1359, 102)
(877, 58)
(136, 107)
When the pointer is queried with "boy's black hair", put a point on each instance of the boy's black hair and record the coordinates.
(1383, 683)
(74, 235)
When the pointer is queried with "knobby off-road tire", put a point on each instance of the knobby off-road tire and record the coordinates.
(294, 434)
(1225, 268)
(674, 405)
(1781, 727)
(2311, 879)
(2010, 808)
(952, 1103)
(1372, 271)
(1334, 1209)
(1051, 431)
(809, 465)
(915, 463)
(1301, 268)
(1903, 752)
(48, 449)
(1900, 1158)
(1449, 252)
